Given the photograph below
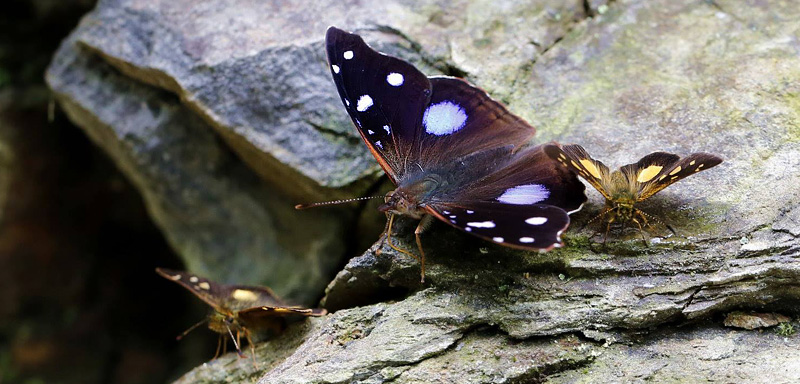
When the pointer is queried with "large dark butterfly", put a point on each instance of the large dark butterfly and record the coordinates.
(632, 183)
(238, 309)
(453, 152)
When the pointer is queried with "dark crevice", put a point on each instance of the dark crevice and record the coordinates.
(587, 10)
(690, 299)
(447, 69)
(556, 41)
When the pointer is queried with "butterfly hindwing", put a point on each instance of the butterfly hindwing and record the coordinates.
(532, 227)
(659, 170)
(578, 160)
(462, 119)
(268, 311)
(529, 177)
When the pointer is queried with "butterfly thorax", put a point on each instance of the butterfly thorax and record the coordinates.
(410, 197)
(621, 196)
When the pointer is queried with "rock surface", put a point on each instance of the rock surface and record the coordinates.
(622, 78)
(223, 220)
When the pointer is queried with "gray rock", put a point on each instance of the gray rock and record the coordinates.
(754, 320)
(622, 78)
(224, 221)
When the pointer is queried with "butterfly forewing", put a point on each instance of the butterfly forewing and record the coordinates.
(384, 96)
(410, 121)
(578, 160)
(659, 170)
(462, 119)
(533, 227)
(222, 297)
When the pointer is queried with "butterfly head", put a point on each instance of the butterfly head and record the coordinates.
(401, 202)
(410, 197)
(223, 322)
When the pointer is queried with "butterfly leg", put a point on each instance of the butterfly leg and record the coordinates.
(421, 227)
(252, 347)
(391, 244)
(386, 233)
(608, 228)
(220, 340)
(641, 230)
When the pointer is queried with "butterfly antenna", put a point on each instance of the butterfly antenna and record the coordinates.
(334, 202)
(192, 328)
(599, 215)
(657, 220)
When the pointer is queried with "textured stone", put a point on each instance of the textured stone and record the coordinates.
(621, 78)
(754, 320)
(224, 221)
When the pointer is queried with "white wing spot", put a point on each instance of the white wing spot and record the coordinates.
(536, 220)
(498, 239)
(347, 102)
(444, 118)
(335, 68)
(468, 229)
(526, 239)
(364, 102)
(524, 194)
(452, 216)
(481, 224)
(371, 132)
(378, 143)
(204, 285)
(446, 212)
(348, 55)
(395, 79)
(194, 279)
(469, 211)
(386, 128)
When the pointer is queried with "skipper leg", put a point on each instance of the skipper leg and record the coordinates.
(252, 347)
(641, 231)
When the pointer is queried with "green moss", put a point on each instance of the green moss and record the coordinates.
(785, 329)
(792, 99)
